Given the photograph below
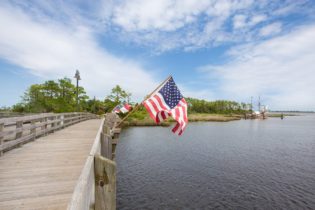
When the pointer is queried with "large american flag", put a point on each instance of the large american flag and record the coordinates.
(168, 101)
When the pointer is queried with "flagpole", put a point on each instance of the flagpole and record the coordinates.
(138, 106)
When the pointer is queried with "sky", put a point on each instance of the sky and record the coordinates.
(214, 49)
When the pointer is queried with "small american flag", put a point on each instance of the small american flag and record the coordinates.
(168, 101)
(122, 108)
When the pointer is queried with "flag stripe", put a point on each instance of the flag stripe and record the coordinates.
(150, 110)
(158, 120)
(158, 108)
(161, 101)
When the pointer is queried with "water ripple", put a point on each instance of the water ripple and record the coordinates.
(237, 165)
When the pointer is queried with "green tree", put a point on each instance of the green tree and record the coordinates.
(95, 106)
(117, 96)
(216, 107)
(52, 96)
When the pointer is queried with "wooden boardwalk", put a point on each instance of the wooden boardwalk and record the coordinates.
(43, 174)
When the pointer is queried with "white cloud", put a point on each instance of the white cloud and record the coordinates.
(239, 21)
(271, 29)
(245, 23)
(165, 15)
(165, 25)
(257, 19)
(51, 50)
(280, 70)
(168, 24)
(188, 24)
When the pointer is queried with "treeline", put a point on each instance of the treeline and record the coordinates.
(61, 96)
(52, 96)
(216, 107)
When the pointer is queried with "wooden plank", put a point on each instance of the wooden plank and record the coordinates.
(53, 124)
(116, 130)
(82, 197)
(106, 129)
(48, 124)
(115, 141)
(110, 146)
(106, 146)
(33, 129)
(13, 120)
(18, 130)
(43, 174)
(16, 142)
(96, 148)
(39, 117)
(105, 183)
(19, 124)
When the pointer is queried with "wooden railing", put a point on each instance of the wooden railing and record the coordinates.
(96, 187)
(15, 131)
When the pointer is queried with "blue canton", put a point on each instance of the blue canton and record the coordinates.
(171, 93)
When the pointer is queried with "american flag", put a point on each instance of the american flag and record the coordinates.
(168, 101)
(122, 108)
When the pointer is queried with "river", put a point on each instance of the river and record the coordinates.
(246, 164)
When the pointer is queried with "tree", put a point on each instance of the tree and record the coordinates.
(218, 107)
(118, 95)
(95, 106)
(52, 96)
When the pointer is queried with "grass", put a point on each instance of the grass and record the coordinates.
(212, 117)
(142, 118)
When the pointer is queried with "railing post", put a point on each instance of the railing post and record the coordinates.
(58, 117)
(62, 118)
(106, 129)
(71, 116)
(1, 138)
(19, 125)
(106, 146)
(33, 129)
(53, 123)
(65, 120)
(115, 138)
(105, 183)
(44, 127)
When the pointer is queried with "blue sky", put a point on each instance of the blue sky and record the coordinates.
(215, 49)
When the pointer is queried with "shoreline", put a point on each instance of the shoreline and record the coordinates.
(192, 118)
(284, 115)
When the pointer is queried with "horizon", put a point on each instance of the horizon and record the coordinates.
(215, 50)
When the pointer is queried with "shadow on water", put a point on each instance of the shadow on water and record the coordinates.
(247, 164)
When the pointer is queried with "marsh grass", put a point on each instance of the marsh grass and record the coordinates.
(142, 118)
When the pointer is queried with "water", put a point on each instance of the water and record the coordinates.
(247, 164)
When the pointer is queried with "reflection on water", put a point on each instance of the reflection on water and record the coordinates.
(247, 164)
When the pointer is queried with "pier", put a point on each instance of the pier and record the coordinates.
(58, 161)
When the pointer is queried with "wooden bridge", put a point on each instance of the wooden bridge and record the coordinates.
(58, 161)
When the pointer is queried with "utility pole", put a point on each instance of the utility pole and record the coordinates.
(77, 76)
(251, 104)
(259, 103)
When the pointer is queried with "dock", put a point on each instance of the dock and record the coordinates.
(56, 169)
